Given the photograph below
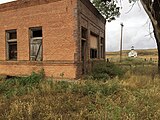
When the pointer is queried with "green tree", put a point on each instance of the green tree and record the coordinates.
(109, 9)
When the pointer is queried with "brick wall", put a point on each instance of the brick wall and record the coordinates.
(90, 19)
(58, 25)
(61, 22)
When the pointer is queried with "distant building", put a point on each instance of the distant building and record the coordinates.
(132, 53)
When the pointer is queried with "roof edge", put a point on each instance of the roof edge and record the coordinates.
(92, 8)
(22, 4)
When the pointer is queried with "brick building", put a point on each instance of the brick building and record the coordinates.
(60, 36)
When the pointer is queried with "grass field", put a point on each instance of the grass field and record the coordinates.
(132, 98)
(135, 96)
(146, 54)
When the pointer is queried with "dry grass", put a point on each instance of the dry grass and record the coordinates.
(148, 54)
(134, 97)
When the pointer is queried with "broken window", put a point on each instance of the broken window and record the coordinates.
(11, 37)
(102, 48)
(93, 47)
(36, 44)
(84, 34)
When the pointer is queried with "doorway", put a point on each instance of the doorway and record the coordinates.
(83, 56)
(84, 50)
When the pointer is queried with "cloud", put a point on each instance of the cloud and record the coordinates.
(136, 29)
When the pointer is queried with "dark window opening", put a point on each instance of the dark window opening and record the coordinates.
(13, 51)
(83, 43)
(102, 48)
(84, 33)
(102, 52)
(12, 35)
(11, 44)
(102, 40)
(37, 33)
(36, 44)
(93, 53)
(94, 46)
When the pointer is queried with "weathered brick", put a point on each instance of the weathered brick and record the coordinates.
(61, 22)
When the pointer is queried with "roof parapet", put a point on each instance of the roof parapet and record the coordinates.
(92, 8)
(22, 4)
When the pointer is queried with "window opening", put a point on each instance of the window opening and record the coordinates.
(102, 47)
(11, 44)
(84, 34)
(36, 44)
(93, 53)
(93, 47)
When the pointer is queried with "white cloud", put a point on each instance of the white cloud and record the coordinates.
(135, 29)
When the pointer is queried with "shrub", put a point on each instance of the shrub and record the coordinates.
(101, 76)
(20, 85)
(34, 78)
(145, 70)
(61, 86)
(89, 88)
(103, 71)
(109, 89)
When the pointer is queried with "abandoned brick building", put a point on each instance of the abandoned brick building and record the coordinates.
(59, 36)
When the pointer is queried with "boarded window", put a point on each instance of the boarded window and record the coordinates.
(93, 46)
(93, 42)
(36, 44)
(11, 36)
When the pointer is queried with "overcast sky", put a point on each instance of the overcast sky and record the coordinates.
(136, 29)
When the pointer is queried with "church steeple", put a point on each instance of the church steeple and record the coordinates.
(132, 48)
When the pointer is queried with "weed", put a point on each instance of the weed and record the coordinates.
(20, 85)
(89, 89)
(104, 71)
(109, 89)
(61, 86)
(133, 98)
(62, 75)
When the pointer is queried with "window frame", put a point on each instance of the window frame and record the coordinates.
(31, 39)
(102, 53)
(95, 52)
(9, 42)
(95, 49)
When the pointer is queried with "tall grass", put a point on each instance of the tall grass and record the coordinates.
(20, 85)
(133, 97)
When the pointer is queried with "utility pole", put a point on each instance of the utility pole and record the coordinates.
(121, 41)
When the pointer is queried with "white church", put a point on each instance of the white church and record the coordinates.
(132, 53)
